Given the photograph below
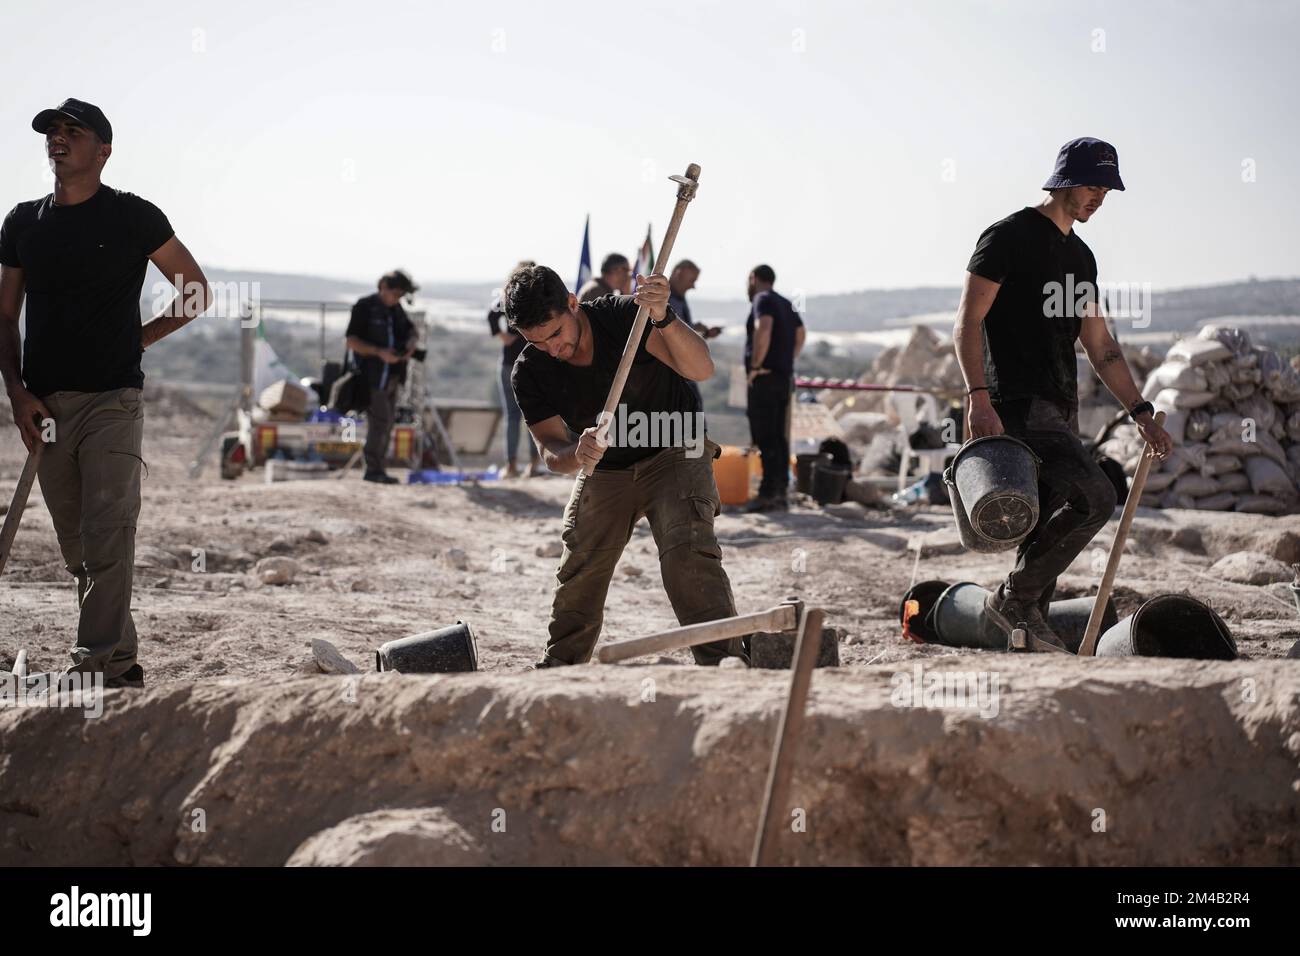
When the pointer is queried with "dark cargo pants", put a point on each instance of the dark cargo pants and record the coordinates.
(679, 498)
(1075, 498)
(90, 479)
(379, 423)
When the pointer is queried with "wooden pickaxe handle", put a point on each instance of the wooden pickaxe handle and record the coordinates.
(1088, 647)
(15, 513)
(774, 815)
(781, 618)
(685, 193)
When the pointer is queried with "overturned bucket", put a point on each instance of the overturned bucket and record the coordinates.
(993, 486)
(1170, 625)
(958, 619)
(920, 623)
(448, 650)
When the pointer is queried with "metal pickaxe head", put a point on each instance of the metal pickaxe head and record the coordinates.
(689, 183)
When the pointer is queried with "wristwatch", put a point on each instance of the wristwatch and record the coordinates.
(669, 317)
(1137, 410)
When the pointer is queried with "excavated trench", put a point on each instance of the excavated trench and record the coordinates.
(1042, 762)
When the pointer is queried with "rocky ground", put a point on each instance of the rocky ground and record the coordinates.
(367, 564)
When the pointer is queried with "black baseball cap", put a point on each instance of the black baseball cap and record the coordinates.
(1086, 162)
(79, 111)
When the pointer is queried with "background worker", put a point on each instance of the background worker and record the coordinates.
(512, 343)
(774, 337)
(382, 340)
(78, 258)
(615, 279)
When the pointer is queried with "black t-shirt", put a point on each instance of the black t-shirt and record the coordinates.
(785, 320)
(1031, 327)
(83, 270)
(508, 352)
(546, 387)
(384, 326)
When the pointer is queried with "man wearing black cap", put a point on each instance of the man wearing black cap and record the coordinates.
(382, 339)
(79, 257)
(1030, 293)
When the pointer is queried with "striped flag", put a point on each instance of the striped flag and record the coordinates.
(584, 263)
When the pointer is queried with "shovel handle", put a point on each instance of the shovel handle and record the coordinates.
(15, 513)
(1088, 647)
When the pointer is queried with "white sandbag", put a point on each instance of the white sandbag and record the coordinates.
(1221, 464)
(1267, 477)
(1178, 398)
(1198, 426)
(1277, 377)
(1235, 393)
(1217, 375)
(1149, 499)
(1158, 481)
(1234, 481)
(1172, 499)
(1224, 419)
(1175, 423)
(1177, 375)
(1270, 447)
(1189, 457)
(1261, 505)
(1223, 501)
(1238, 340)
(1198, 351)
(1196, 485)
(1229, 440)
(1259, 408)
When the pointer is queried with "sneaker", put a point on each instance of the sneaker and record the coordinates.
(1009, 613)
(380, 477)
(132, 677)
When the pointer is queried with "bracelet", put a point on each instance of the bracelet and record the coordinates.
(977, 388)
(669, 317)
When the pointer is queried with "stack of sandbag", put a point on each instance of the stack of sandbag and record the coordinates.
(1233, 411)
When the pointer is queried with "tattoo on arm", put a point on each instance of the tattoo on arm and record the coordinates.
(1111, 356)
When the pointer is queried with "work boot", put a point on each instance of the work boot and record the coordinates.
(1009, 612)
(380, 477)
(765, 503)
(133, 676)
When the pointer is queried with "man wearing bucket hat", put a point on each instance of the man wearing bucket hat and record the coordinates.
(78, 258)
(1029, 294)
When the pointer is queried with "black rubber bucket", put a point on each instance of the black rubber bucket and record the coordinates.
(958, 619)
(926, 594)
(803, 471)
(993, 486)
(449, 650)
(828, 481)
(1170, 625)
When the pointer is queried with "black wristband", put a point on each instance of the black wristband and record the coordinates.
(669, 317)
(977, 388)
(1138, 409)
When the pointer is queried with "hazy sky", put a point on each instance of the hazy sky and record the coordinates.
(849, 145)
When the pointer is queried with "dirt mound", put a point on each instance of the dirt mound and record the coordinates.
(1105, 762)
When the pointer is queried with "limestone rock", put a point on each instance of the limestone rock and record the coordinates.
(1251, 567)
(417, 836)
(277, 570)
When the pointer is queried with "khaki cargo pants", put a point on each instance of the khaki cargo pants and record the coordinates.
(679, 498)
(90, 478)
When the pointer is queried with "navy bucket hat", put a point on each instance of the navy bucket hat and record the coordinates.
(1086, 162)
